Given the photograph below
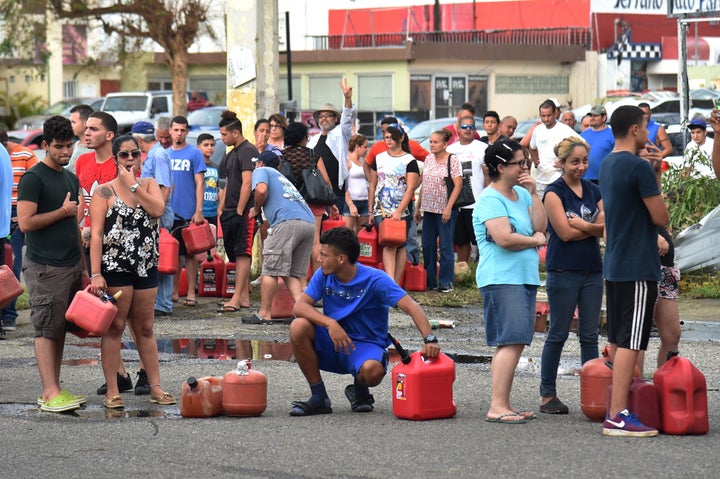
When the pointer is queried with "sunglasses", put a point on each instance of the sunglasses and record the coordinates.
(467, 127)
(124, 155)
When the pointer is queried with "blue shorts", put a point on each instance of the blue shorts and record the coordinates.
(509, 313)
(341, 363)
(361, 205)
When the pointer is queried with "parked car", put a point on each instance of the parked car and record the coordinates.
(130, 107)
(207, 118)
(523, 127)
(422, 131)
(30, 138)
(61, 108)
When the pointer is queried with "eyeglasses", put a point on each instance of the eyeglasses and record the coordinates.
(124, 155)
(323, 116)
(520, 163)
(274, 126)
(467, 127)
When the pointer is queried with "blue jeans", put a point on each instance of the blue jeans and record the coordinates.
(567, 290)
(434, 228)
(17, 240)
(163, 300)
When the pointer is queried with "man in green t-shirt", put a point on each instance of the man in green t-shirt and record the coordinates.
(49, 209)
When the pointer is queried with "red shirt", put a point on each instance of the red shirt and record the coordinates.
(90, 173)
(416, 150)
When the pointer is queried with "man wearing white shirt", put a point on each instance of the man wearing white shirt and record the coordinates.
(542, 145)
(332, 142)
(471, 154)
(700, 142)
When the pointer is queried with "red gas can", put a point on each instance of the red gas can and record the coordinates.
(244, 391)
(683, 397)
(10, 287)
(212, 276)
(92, 313)
(392, 233)
(169, 250)
(334, 222)
(415, 277)
(423, 389)
(201, 397)
(595, 379)
(283, 303)
(229, 282)
(370, 250)
(198, 238)
(8, 255)
(213, 251)
(643, 402)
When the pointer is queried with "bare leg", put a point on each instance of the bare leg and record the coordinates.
(142, 325)
(623, 367)
(46, 356)
(463, 252)
(111, 341)
(294, 285)
(503, 366)
(371, 373)
(191, 269)
(302, 338)
(400, 262)
(176, 282)
(667, 319)
(389, 254)
(268, 288)
(316, 244)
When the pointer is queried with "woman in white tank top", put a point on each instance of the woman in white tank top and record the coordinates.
(355, 211)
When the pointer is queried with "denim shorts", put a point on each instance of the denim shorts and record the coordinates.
(509, 313)
(342, 363)
(361, 205)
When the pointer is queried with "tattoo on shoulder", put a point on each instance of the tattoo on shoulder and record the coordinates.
(106, 192)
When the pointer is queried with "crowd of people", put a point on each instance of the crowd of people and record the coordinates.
(93, 208)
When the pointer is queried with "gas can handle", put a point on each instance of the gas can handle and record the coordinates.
(672, 354)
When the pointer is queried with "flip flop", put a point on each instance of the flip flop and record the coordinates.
(227, 309)
(366, 405)
(302, 408)
(255, 319)
(501, 419)
(528, 415)
(190, 302)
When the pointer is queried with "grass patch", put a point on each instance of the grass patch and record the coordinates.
(700, 285)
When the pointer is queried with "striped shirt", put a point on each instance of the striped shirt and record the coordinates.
(22, 159)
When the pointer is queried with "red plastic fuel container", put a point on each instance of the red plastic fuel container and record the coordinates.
(370, 249)
(415, 277)
(229, 281)
(198, 238)
(244, 391)
(8, 255)
(643, 402)
(92, 313)
(200, 257)
(212, 276)
(392, 233)
(10, 287)
(283, 302)
(169, 251)
(183, 286)
(333, 222)
(423, 388)
(683, 397)
(201, 397)
(595, 379)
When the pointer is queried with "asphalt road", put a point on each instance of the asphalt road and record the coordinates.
(153, 441)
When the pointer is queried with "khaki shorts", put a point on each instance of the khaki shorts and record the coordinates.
(50, 291)
(287, 249)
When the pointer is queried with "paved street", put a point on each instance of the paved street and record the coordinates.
(153, 441)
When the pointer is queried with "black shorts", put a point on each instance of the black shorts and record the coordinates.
(118, 279)
(464, 232)
(238, 234)
(177, 227)
(630, 307)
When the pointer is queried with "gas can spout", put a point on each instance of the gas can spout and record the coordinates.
(243, 367)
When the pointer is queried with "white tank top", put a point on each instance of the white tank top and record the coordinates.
(357, 185)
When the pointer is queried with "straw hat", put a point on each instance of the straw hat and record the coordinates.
(327, 107)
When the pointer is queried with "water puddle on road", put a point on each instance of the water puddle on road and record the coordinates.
(90, 412)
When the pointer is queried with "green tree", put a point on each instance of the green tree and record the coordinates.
(172, 24)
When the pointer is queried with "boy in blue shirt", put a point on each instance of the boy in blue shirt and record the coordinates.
(206, 145)
(350, 336)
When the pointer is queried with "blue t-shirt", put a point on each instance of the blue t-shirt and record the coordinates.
(210, 198)
(601, 144)
(580, 255)
(499, 265)
(653, 128)
(631, 253)
(186, 163)
(283, 202)
(362, 305)
(158, 165)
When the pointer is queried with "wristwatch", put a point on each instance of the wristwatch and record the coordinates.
(430, 338)
(133, 188)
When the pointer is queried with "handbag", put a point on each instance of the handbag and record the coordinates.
(466, 197)
(314, 188)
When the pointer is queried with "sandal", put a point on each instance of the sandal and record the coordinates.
(365, 405)
(303, 408)
(554, 406)
(115, 402)
(190, 302)
(166, 399)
